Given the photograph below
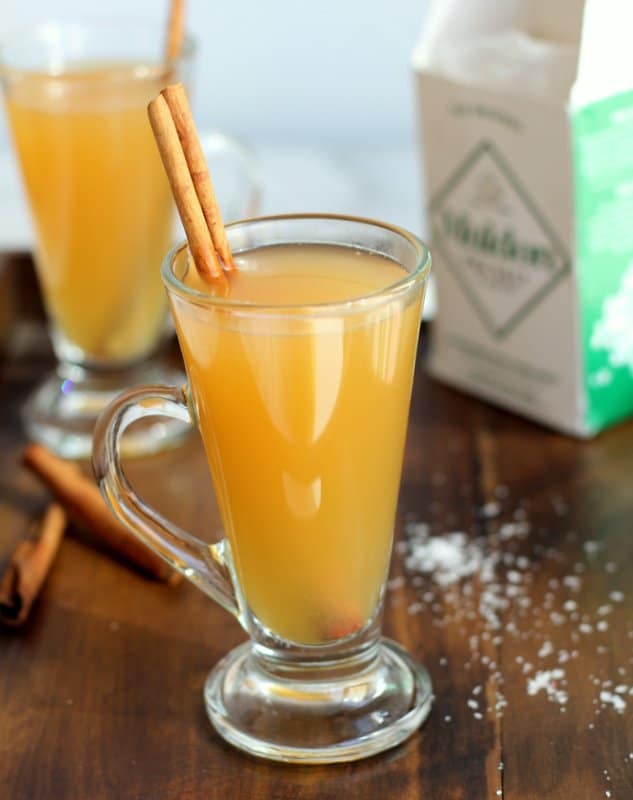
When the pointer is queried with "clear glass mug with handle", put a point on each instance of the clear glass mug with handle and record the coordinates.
(76, 95)
(303, 411)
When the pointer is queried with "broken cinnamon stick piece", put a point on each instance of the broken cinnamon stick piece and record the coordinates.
(28, 567)
(83, 502)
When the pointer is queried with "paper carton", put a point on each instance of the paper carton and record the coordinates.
(526, 112)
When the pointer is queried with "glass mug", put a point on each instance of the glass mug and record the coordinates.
(303, 412)
(76, 95)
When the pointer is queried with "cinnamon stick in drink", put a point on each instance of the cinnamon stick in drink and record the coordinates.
(28, 567)
(183, 189)
(341, 625)
(83, 502)
(176, 98)
(175, 30)
(186, 167)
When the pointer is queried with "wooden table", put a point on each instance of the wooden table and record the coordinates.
(100, 694)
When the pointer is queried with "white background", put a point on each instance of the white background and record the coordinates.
(322, 90)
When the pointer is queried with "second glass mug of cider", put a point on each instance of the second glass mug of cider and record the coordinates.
(299, 380)
(76, 95)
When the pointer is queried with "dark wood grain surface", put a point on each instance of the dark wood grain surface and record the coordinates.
(101, 692)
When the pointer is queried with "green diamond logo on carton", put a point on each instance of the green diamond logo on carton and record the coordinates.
(497, 244)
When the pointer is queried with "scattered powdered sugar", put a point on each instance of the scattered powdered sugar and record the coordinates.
(396, 583)
(490, 510)
(482, 585)
(449, 558)
(613, 699)
(549, 681)
(572, 582)
(511, 530)
(585, 628)
(563, 656)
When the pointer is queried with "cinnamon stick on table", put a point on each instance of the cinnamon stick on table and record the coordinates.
(28, 567)
(83, 502)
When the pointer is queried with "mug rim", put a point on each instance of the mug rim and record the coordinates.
(417, 275)
(98, 24)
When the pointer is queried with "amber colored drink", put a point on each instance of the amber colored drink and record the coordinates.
(303, 416)
(100, 202)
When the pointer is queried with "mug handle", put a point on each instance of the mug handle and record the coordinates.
(204, 564)
(241, 196)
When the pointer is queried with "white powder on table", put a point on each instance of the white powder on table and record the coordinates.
(449, 558)
(613, 699)
(549, 682)
(464, 580)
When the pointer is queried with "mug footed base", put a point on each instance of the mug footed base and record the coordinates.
(62, 411)
(318, 719)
